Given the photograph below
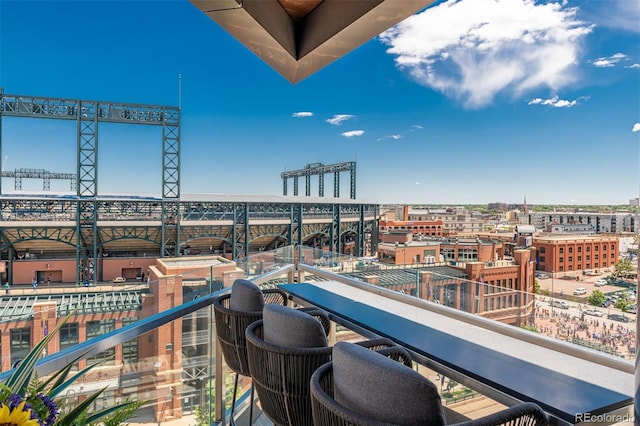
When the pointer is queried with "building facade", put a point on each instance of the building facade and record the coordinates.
(602, 223)
(568, 253)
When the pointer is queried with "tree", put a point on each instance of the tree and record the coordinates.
(205, 412)
(623, 268)
(596, 298)
(536, 287)
(623, 303)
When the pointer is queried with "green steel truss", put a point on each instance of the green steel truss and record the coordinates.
(88, 114)
(321, 170)
(92, 226)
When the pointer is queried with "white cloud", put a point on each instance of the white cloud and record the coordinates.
(608, 61)
(337, 119)
(636, 127)
(633, 66)
(352, 133)
(621, 14)
(417, 126)
(473, 50)
(394, 137)
(557, 102)
(302, 114)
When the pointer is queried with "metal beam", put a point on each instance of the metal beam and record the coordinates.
(45, 175)
(320, 170)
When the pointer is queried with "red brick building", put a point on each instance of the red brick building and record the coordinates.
(567, 253)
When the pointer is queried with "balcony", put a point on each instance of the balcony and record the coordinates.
(167, 358)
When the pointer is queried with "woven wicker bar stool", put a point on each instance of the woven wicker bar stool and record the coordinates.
(362, 388)
(285, 348)
(233, 314)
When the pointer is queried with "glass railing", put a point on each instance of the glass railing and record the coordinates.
(565, 317)
(167, 356)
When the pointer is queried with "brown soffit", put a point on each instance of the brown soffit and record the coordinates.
(297, 37)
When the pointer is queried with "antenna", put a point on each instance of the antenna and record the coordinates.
(179, 91)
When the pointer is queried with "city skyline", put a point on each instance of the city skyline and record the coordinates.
(467, 102)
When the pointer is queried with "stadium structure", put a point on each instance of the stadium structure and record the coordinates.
(95, 237)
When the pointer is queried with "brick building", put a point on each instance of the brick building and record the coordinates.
(566, 253)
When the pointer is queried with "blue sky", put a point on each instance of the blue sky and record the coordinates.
(469, 101)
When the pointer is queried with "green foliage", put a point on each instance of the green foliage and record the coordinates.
(120, 415)
(623, 303)
(596, 298)
(622, 268)
(530, 328)
(536, 287)
(24, 385)
(204, 416)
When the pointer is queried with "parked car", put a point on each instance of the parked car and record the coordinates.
(560, 304)
(632, 309)
(600, 283)
(119, 280)
(542, 275)
(618, 317)
(593, 312)
(579, 291)
(607, 303)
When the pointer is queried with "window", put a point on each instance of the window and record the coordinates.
(579, 258)
(595, 257)
(560, 260)
(20, 343)
(68, 335)
(588, 249)
(542, 249)
(570, 249)
(570, 258)
(580, 249)
(448, 254)
(99, 328)
(130, 347)
(542, 259)
(596, 248)
(613, 247)
(588, 257)
(561, 250)
(468, 255)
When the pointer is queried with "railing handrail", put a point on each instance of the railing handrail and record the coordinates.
(58, 360)
(479, 321)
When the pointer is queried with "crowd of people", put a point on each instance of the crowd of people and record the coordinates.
(596, 332)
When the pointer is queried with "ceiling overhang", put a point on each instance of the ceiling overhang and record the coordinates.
(299, 37)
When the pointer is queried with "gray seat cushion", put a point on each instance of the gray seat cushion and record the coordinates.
(284, 326)
(246, 297)
(382, 389)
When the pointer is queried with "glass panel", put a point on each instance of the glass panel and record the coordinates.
(559, 314)
(170, 368)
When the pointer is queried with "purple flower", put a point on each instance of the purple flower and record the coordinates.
(14, 401)
(51, 407)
